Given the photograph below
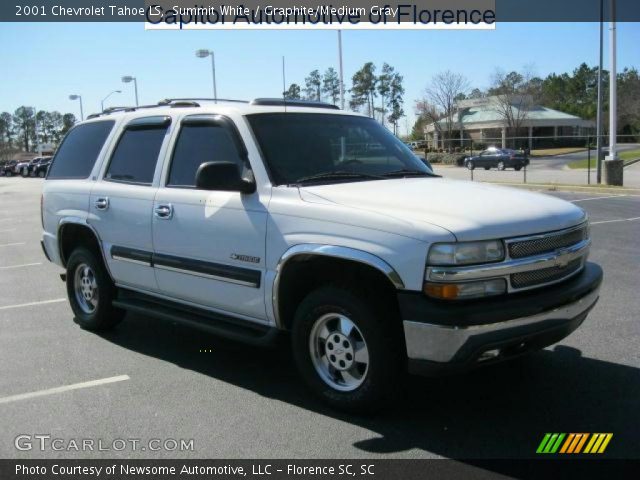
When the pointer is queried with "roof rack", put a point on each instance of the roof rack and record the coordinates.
(171, 101)
(280, 102)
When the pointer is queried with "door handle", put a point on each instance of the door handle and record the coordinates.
(102, 203)
(164, 212)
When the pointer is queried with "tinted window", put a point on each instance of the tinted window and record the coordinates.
(134, 159)
(298, 145)
(197, 144)
(80, 150)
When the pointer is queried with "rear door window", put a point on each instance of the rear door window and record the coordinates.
(134, 158)
(79, 150)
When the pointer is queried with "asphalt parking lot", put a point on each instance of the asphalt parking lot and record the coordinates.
(155, 379)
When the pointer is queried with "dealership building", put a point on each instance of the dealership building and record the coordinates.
(483, 120)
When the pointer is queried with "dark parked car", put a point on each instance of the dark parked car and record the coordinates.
(40, 169)
(30, 167)
(9, 168)
(499, 158)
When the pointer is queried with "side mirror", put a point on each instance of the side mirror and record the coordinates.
(223, 176)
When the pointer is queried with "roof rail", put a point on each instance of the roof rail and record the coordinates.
(280, 102)
(170, 101)
(110, 110)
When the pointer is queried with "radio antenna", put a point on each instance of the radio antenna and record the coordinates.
(284, 87)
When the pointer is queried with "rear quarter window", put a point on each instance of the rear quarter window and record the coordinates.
(79, 150)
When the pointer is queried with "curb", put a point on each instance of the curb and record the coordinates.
(570, 188)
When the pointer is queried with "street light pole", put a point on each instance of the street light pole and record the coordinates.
(613, 93)
(599, 110)
(128, 79)
(78, 97)
(103, 100)
(204, 53)
(340, 66)
(135, 88)
(35, 119)
(213, 71)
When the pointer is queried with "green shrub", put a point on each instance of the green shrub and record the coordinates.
(446, 158)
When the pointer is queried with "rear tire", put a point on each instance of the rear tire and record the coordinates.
(517, 168)
(487, 168)
(9, 174)
(471, 165)
(348, 350)
(41, 174)
(91, 291)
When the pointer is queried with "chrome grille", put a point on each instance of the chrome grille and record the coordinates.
(547, 243)
(545, 275)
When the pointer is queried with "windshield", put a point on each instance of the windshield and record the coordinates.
(299, 147)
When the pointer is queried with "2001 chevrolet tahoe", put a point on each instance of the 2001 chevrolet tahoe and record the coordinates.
(249, 219)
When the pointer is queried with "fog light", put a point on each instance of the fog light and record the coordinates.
(463, 291)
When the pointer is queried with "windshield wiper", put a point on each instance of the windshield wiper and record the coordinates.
(405, 172)
(337, 175)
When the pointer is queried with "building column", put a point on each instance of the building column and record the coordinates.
(530, 138)
(481, 135)
(504, 137)
(555, 132)
(435, 139)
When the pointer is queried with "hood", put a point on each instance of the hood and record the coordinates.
(469, 210)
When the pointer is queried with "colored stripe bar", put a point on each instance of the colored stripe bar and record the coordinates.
(599, 440)
(606, 442)
(550, 443)
(581, 443)
(576, 439)
(567, 443)
(543, 443)
(590, 444)
(557, 444)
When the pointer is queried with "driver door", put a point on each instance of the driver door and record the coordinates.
(209, 246)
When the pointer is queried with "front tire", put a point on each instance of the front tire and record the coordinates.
(91, 291)
(348, 350)
(41, 174)
(471, 165)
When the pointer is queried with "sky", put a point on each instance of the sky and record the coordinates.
(46, 62)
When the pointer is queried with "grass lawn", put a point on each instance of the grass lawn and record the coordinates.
(628, 155)
(543, 152)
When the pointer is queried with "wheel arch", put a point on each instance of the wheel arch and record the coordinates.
(327, 257)
(81, 233)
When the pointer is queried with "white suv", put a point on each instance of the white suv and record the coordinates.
(249, 219)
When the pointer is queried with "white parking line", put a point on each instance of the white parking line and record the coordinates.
(30, 304)
(66, 388)
(597, 198)
(8, 230)
(9, 267)
(618, 220)
(12, 244)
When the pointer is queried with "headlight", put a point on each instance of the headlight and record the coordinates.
(466, 253)
(465, 291)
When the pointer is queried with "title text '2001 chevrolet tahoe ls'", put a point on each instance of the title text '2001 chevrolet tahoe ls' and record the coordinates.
(249, 219)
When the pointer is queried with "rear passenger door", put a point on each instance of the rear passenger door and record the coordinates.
(122, 201)
(209, 245)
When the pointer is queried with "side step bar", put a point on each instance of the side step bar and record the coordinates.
(215, 323)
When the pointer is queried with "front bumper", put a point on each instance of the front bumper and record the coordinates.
(448, 337)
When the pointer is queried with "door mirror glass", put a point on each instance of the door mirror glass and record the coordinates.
(223, 176)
